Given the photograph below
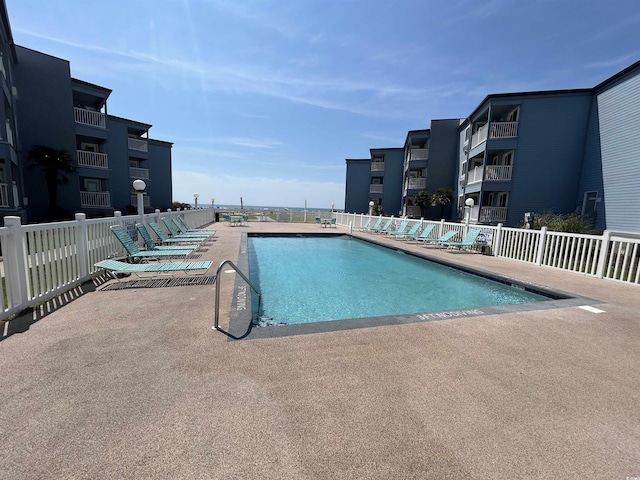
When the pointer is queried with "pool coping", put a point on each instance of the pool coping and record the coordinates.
(241, 322)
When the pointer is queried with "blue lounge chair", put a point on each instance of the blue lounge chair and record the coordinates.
(183, 231)
(444, 238)
(384, 228)
(398, 231)
(166, 239)
(423, 235)
(468, 240)
(187, 229)
(366, 225)
(115, 266)
(373, 227)
(175, 234)
(151, 245)
(402, 235)
(135, 253)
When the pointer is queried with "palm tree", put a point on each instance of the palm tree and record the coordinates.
(422, 199)
(442, 197)
(55, 163)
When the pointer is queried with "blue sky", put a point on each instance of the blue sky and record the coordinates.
(264, 99)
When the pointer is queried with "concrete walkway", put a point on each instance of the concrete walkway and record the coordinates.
(134, 384)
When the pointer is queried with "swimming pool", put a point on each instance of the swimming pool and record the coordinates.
(306, 279)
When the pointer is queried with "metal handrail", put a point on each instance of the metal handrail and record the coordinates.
(216, 325)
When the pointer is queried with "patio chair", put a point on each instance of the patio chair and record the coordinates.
(423, 235)
(468, 240)
(113, 267)
(412, 231)
(443, 238)
(175, 234)
(401, 228)
(166, 239)
(384, 228)
(372, 227)
(135, 253)
(151, 245)
(366, 225)
(318, 220)
(332, 222)
(183, 231)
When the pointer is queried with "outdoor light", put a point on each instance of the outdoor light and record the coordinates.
(195, 197)
(139, 186)
(213, 202)
(469, 202)
(371, 204)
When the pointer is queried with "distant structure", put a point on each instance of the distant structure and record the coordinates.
(561, 151)
(44, 105)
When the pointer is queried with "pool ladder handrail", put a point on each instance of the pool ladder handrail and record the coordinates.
(216, 325)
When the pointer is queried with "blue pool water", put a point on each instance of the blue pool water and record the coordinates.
(312, 279)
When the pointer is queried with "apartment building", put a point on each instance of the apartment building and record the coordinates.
(108, 152)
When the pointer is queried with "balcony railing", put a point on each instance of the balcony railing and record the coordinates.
(417, 183)
(92, 159)
(9, 133)
(138, 144)
(89, 117)
(377, 167)
(419, 154)
(146, 200)
(142, 173)
(492, 214)
(504, 130)
(95, 199)
(4, 195)
(480, 136)
(376, 188)
(475, 175)
(497, 173)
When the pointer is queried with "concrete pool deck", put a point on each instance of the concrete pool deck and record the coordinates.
(134, 384)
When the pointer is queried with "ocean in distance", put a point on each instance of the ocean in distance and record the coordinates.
(255, 208)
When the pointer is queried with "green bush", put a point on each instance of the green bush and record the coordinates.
(569, 223)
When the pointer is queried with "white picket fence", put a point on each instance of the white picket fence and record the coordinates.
(41, 261)
(612, 255)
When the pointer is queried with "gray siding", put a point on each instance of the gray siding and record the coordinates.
(356, 198)
(160, 188)
(443, 163)
(619, 123)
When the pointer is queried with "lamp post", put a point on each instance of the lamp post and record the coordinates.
(469, 203)
(371, 204)
(139, 186)
(195, 198)
(213, 202)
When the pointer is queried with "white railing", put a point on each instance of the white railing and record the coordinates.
(90, 117)
(492, 214)
(135, 172)
(42, 261)
(498, 172)
(376, 188)
(475, 175)
(4, 195)
(9, 133)
(146, 200)
(419, 154)
(417, 183)
(613, 255)
(138, 144)
(92, 159)
(504, 129)
(480, 136)
(95, 199)
(377, 167)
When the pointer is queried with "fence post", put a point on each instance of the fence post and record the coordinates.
(604, 253)
(82, 245)
(541, 245)
(441, 230)
(497, 241)
(15, 258)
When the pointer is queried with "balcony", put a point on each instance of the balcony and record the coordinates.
(492, 173)
(141, 173)
(95, 199)
(503, 130)
(9, 134)
(480, 136)
(146, 200)
(90, 117)
(475, 175)
(4, 195)
(92, 159)
(419, 154)
(416, 183)
(492, 214)
(376, 188)
(138, 144)
(377, 167)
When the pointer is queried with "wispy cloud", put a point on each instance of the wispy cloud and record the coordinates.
(237, 141)
(614, 62)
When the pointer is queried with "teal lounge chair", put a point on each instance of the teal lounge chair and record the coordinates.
(135, 253)
(384, 228)
(366, 225)
(187, 229)
(398, 231)
(166, 239)
(468, 240)
(183, 231)
(402, 235)
(423, 235)
(151, 245)
(115, 266)
(318, 220)
(444, 238)
(374, 227)
(175, 234)
(332, 222)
